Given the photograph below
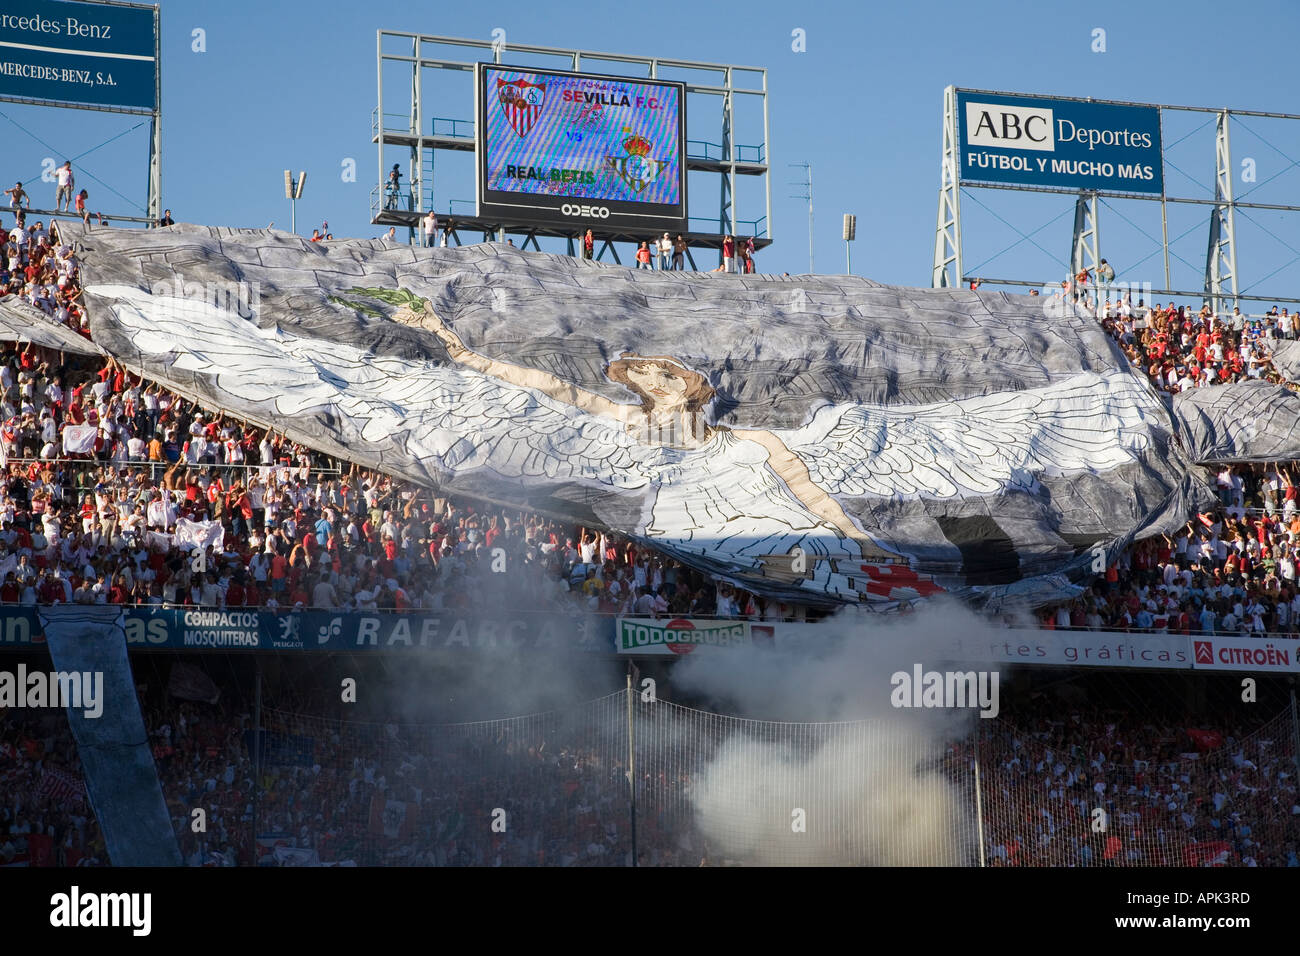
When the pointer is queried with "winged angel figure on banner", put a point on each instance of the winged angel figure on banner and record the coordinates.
(759, 501)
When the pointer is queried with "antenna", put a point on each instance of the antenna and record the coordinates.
(806, 184)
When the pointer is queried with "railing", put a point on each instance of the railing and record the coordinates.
(454, 125)
(143, 463)
(713, 152)
(438, 126)
(744, 227)
(402, 122)
(31, 216)
(382, 199)
(572, 606)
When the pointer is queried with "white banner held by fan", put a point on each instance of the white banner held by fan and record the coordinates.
(79, 439)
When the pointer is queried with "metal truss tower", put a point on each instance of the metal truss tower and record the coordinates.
(947, 271)
(1221, 256)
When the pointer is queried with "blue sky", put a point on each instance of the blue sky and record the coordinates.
(293, 84)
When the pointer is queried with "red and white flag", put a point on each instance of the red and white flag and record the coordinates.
(60, 785)
(79, 439)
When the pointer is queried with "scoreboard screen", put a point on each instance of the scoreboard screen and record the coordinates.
(603, 152)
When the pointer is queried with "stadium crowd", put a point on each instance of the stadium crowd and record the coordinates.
(1180, 349)
(1205, 791)
(45, 819)
(43, 271)
(101, 466)
(103, 470)
(1230, 571)
(1170, 793)
(95, 519)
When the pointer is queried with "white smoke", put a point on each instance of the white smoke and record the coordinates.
(871, 784)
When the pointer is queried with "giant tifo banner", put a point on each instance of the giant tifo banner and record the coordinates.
(816, 438)
(604, 150)
(63, 52)
(1075, 144)
(245, 629)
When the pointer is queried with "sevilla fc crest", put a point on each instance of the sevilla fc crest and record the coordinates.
(521, 102)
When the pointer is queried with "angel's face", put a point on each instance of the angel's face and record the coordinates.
(656, 381)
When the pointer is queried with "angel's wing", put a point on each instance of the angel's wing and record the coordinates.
(979, 446)
(450, 418)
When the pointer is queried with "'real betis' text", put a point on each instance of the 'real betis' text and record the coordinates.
(584, 176)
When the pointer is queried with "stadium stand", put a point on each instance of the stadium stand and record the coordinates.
(102, 467)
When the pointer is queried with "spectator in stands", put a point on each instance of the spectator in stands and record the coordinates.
(728, 254)
(664, 248)
(643, 256)
(63, 192)
(431, 230)
(1105, 276)
(588, 244)
(17, 198)
(166, 219)
(679, 253)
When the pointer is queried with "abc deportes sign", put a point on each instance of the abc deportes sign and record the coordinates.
(1031, 141)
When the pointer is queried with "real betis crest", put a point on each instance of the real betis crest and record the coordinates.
(636, 168)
